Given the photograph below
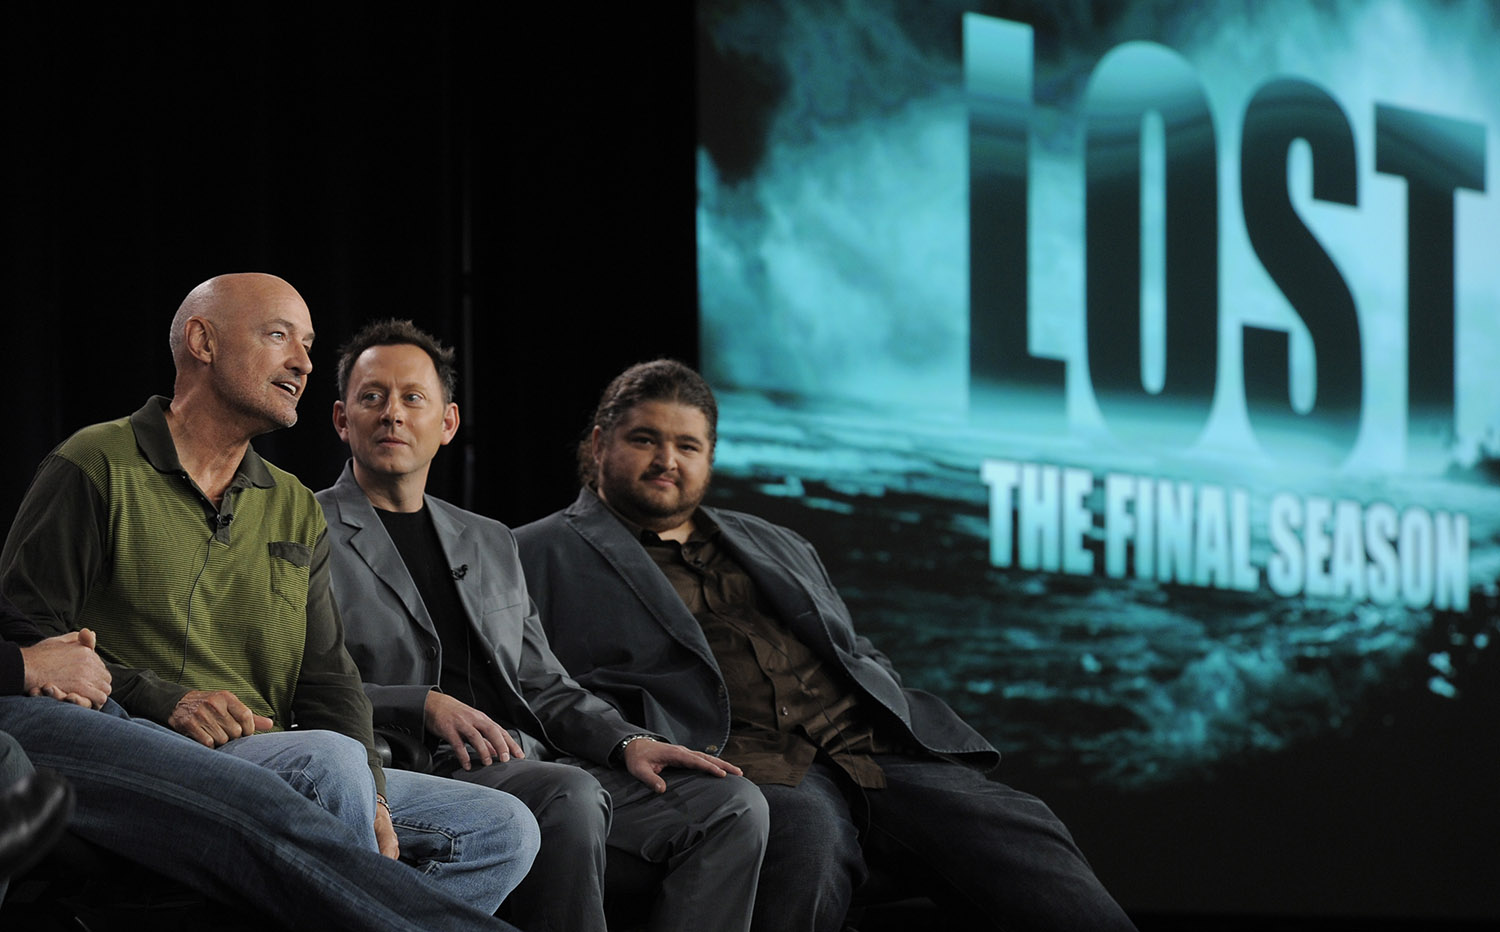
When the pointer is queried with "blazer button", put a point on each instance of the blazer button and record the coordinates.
(431, 651)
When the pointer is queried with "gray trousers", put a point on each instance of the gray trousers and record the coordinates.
(709, 832)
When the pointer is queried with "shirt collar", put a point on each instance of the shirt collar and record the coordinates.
(154, 439)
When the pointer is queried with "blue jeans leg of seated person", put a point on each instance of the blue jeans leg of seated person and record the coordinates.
(224, 826)
(475, 843)
(14, 767)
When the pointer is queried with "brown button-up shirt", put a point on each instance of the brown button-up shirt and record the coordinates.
(785, 704)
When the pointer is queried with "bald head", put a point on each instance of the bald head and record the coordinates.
(242, 346)
(226, 299)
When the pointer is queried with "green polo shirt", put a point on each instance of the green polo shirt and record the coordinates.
(115, 536)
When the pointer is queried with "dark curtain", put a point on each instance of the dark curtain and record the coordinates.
(518, 182)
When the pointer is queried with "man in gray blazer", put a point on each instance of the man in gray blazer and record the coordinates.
(447, 640)
(723, 632)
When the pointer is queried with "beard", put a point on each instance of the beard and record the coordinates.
(654, 509)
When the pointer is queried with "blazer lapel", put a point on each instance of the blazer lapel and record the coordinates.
(787, 591)
(461, 548)
(603, 531)
(369, 539)
(783, 588)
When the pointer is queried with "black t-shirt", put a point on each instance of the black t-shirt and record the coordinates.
(465, 674)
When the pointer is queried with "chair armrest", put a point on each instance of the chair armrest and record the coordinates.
(401, 750)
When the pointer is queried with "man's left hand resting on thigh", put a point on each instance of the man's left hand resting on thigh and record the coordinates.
(647, 758)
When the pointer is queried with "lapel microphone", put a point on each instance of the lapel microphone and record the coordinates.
(461, 571)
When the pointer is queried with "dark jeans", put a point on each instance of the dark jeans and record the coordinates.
(994, 856)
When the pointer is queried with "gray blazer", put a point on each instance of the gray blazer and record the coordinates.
(619, 627)
(392, 639)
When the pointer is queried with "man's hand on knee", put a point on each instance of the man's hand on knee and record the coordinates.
(458, 724)
(215, 718)
(647, 758)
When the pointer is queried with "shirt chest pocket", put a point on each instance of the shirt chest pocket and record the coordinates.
(291, 567)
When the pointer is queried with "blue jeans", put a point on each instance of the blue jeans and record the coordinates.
(14, 767)
(224, 826)
(995, 857)
(474, 842)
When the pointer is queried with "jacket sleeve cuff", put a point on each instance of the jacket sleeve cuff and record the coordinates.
(12, 670)
(147, 695)
(403, 707)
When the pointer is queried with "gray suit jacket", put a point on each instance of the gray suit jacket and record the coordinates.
(619, 627)
(392, 639)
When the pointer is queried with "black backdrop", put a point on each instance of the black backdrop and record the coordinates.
(522, 184)
(519, 183)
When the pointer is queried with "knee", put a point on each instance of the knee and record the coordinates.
(749, 803)
(333, 770)
(511, 820)
(742, 811)
(333, 753)
(813, 840)
(484, 823)
(480, 840)
(14, 764)
(575, 805)
(321, 745)
(755, 820)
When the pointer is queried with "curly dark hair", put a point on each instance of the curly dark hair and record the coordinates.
(657, 380)
(393, 332)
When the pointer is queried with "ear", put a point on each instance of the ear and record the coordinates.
(341, 421)
(450, 422)
(199, 338)
(596, 444)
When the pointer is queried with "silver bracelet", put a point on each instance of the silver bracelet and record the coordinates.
(620, 748)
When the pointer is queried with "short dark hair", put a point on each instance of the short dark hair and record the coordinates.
(393, 332)
(657, 380)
